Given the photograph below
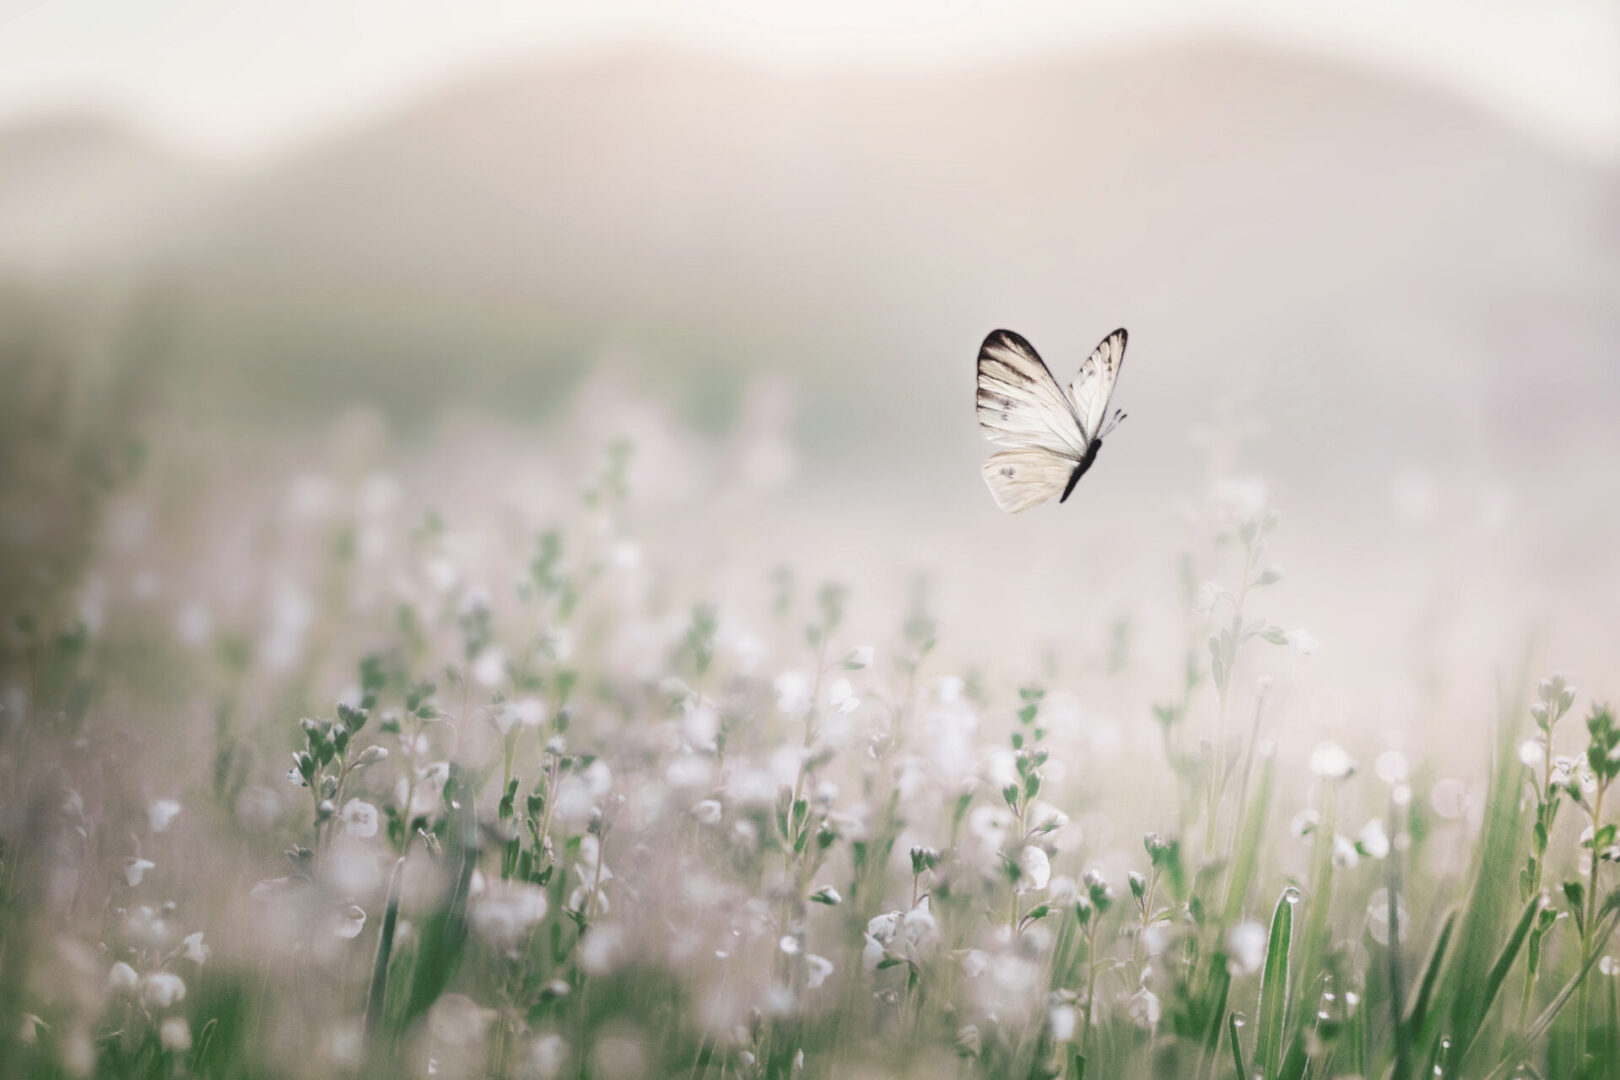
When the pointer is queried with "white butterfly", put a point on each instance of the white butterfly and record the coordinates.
(1053, 437)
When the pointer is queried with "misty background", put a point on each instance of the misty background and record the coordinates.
(765, 248)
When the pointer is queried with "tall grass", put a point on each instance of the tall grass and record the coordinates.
(571, 828)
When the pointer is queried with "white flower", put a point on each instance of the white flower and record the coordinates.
(974, 962)
(135, 870)
(524, 712)
(161, 813)
(1372, 839)
(816, 970)
(1391, 766)
(351, 922)
(548, 1055)
(1063, 1021)
(194, 949)
(708, 812)
(1302, 641)
(1330, 761)
(1304, 823)
(122, 979)
(1245, 948)
(1143, 1007)
(880, 933)
(860, 657)
(506, 910)
(793, 693)
(700, 724)
(359, 819)
(841, 697)
(1533, 752)
(1344, 854)
(161, 989)
(1034, 869)
(175, 1034)
(489, 667)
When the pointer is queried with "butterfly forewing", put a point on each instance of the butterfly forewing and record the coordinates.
(1019, 479)
(1020, 404)
(1094, 385)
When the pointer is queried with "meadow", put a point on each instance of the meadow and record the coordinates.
(397, 789)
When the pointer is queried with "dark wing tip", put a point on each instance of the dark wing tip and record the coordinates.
(1124, 336)
(1010, 337)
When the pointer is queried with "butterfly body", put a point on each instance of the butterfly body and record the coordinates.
(1080, 469)
(1052, 437)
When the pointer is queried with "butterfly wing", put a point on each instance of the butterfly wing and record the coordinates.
(1020, 405)
(1094, 385)
(1018, 479)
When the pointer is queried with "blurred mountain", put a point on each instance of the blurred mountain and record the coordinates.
(82, 193)
(1380, 272)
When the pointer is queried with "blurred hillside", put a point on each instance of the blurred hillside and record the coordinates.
(1378, 272)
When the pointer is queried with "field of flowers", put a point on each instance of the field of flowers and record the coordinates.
(562, 818)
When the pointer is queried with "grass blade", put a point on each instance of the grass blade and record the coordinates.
(1517, 1050)
(1416, 1029)
(1268, 1032)
(1232, 1032)
(1493, 983)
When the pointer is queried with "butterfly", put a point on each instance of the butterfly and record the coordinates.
(1052, 437)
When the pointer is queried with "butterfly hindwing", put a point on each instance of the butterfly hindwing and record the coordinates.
(1020, 404)
(1094, 385)
(1019, 479)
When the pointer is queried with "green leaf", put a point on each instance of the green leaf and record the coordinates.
(1273, 1013)
(1464, 1040)
(1237, 1047)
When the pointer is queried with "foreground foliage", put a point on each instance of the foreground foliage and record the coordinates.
(568, 828)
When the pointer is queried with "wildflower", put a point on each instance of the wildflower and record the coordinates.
(1533, 752)
(1391, 767)
(161, 813)
(1330, 761)
(974, 961)
(351, 921)
(506, 911)
(175, 1034)
(548, 1055)
(161, 989)
(860, 657)
(1034, 869)
(489, 667)
(707, 812)
(793, 693)
(1608, 965)
(359, 819)
(194, 949)
(122, 979)
(524, 712)
(827, 895)
(700, 724)
(841, 697)
(135, 869)
(1063, 1021)
(1245, 948)
(601, 949)
(816, 970)
(1304, 823)
(1143, 1007)
(1378, 916)
(1372, 840)
(1302, 641)
(1344, 854)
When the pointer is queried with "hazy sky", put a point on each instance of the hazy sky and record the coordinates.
(233, 77)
